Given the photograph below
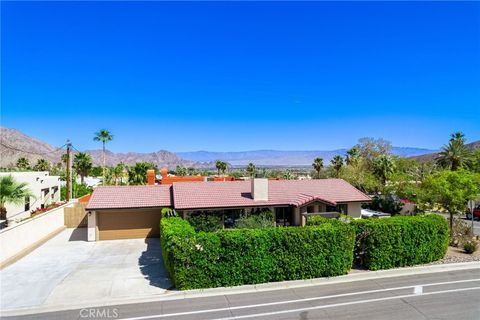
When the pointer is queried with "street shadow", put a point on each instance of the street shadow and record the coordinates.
(152, 267)
(79, 234)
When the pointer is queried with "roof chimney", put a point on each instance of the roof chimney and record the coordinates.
(259, 189)
(151, 177)
(164, 172)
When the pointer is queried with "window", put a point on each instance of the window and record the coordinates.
(27, 203)
(310, 209)
(341, 208)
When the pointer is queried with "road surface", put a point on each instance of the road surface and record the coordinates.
(441, 295)
(476, 223)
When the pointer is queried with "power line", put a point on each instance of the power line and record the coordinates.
(31, 152)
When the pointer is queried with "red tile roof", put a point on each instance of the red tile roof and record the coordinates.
(281, 192)
(112, 197)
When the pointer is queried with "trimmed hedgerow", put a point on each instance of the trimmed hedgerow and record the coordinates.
(249, 256)
(400, 241)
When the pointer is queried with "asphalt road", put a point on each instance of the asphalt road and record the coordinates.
(476, 223)
(442, 295)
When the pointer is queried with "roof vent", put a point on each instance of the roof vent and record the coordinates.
(260, 189)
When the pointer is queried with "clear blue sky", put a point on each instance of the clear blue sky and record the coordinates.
(241, 76)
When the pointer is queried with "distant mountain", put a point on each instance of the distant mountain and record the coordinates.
(279, 158)
(431, 156)
(15, 144)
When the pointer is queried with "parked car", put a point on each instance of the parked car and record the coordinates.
(476, 213)
(367, 213)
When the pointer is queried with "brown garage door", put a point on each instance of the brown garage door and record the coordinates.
(128, 224)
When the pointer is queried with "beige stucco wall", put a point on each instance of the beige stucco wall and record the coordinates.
(45, 190)
(92, 226)
(355, 209)
(21, 236)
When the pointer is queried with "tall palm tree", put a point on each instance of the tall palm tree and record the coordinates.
(12, 192)
(104, 136)
(383, 167)
(455, 154)
(221, 166)
(352, 156)
(137, 174)
(251, 170)
(317, 165)
(118, 173)
(23, 163)
(42, 165)
(337, 163)
(82, 163)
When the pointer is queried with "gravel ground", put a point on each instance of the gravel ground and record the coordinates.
(455, 255)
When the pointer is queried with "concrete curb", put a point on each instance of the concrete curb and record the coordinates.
(202, 293)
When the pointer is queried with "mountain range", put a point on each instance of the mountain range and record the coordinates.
(15, 144)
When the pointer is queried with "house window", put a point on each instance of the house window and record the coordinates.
(341, 208)
(283, 216)
(27, 203)
(310, 209)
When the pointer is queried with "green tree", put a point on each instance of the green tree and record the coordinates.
(371, 148)
(361, 177)
(287, 174)
(383, 167)
(451, 190)
(118, 173)
(191, 171)
(352, 156)
(180, 171)
(104, 136)
(455, 154)
(137, 174)
(23, 163)
(82, 164)
(337, 164)
(221, 166)
(317, 166)
(12, 192)
(42, 165)
(251, 170)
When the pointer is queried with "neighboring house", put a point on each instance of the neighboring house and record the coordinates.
(124, 212)
(167, 179)
(44, 187)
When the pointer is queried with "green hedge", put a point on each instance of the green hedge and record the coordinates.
(400, 241)
(249, 256)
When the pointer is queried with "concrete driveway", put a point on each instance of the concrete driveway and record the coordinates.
(69, 270)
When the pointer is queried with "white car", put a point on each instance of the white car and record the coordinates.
(367, 213)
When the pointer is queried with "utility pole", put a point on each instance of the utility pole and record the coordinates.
(69, 173)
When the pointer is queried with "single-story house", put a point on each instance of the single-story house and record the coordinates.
(122, 212)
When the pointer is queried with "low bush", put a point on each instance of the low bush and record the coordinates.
(400, 241)
(254, 221)
(205, 221)
(470, 246)
(249, 256)
(461, 231)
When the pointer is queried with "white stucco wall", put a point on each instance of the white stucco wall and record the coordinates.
(45, 188)
(355, 209)
(21, 236)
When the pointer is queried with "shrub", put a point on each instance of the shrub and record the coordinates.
(384, 204)
(254, 221)
(205, 221)
(461, 231)
(249, 256)
(400, 241)
(470, 246)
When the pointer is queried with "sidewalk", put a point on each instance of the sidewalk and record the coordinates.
(179, 295)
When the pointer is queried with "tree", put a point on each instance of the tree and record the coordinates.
(251, 170)
(180, 171)
(371, 148)
(287, 174)
(361, 177)
(104, 136)
(12, 192)
(337, 163)
(317, 165)
(82, 163)
(42, 165)
(455, 154)
(383, 167)
(451, 190)
(352, 156)
(118, 173)
(23, 163)
(137, 174)
(221, 166)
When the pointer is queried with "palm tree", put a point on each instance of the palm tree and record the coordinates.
(137, 174)
(337, 163)
(23, 163)
(12, 192)
(287, 174)
(352, 156)
(82, 163)
(455, 154)
(118, 172)
(104, 136)
(42, 165)
(383, 167)
(317, 165)
(221, 166)
(251, 170)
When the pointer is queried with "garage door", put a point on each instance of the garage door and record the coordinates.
(128, 224)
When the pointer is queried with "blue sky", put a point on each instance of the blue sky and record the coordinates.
(243, 75)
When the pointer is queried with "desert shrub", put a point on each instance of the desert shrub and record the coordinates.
(206, 221)
(254, 221)
(400, 241)
(470, 246)
(461, 231)
(249, 256)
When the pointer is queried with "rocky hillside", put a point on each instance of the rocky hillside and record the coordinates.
(15, 144)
